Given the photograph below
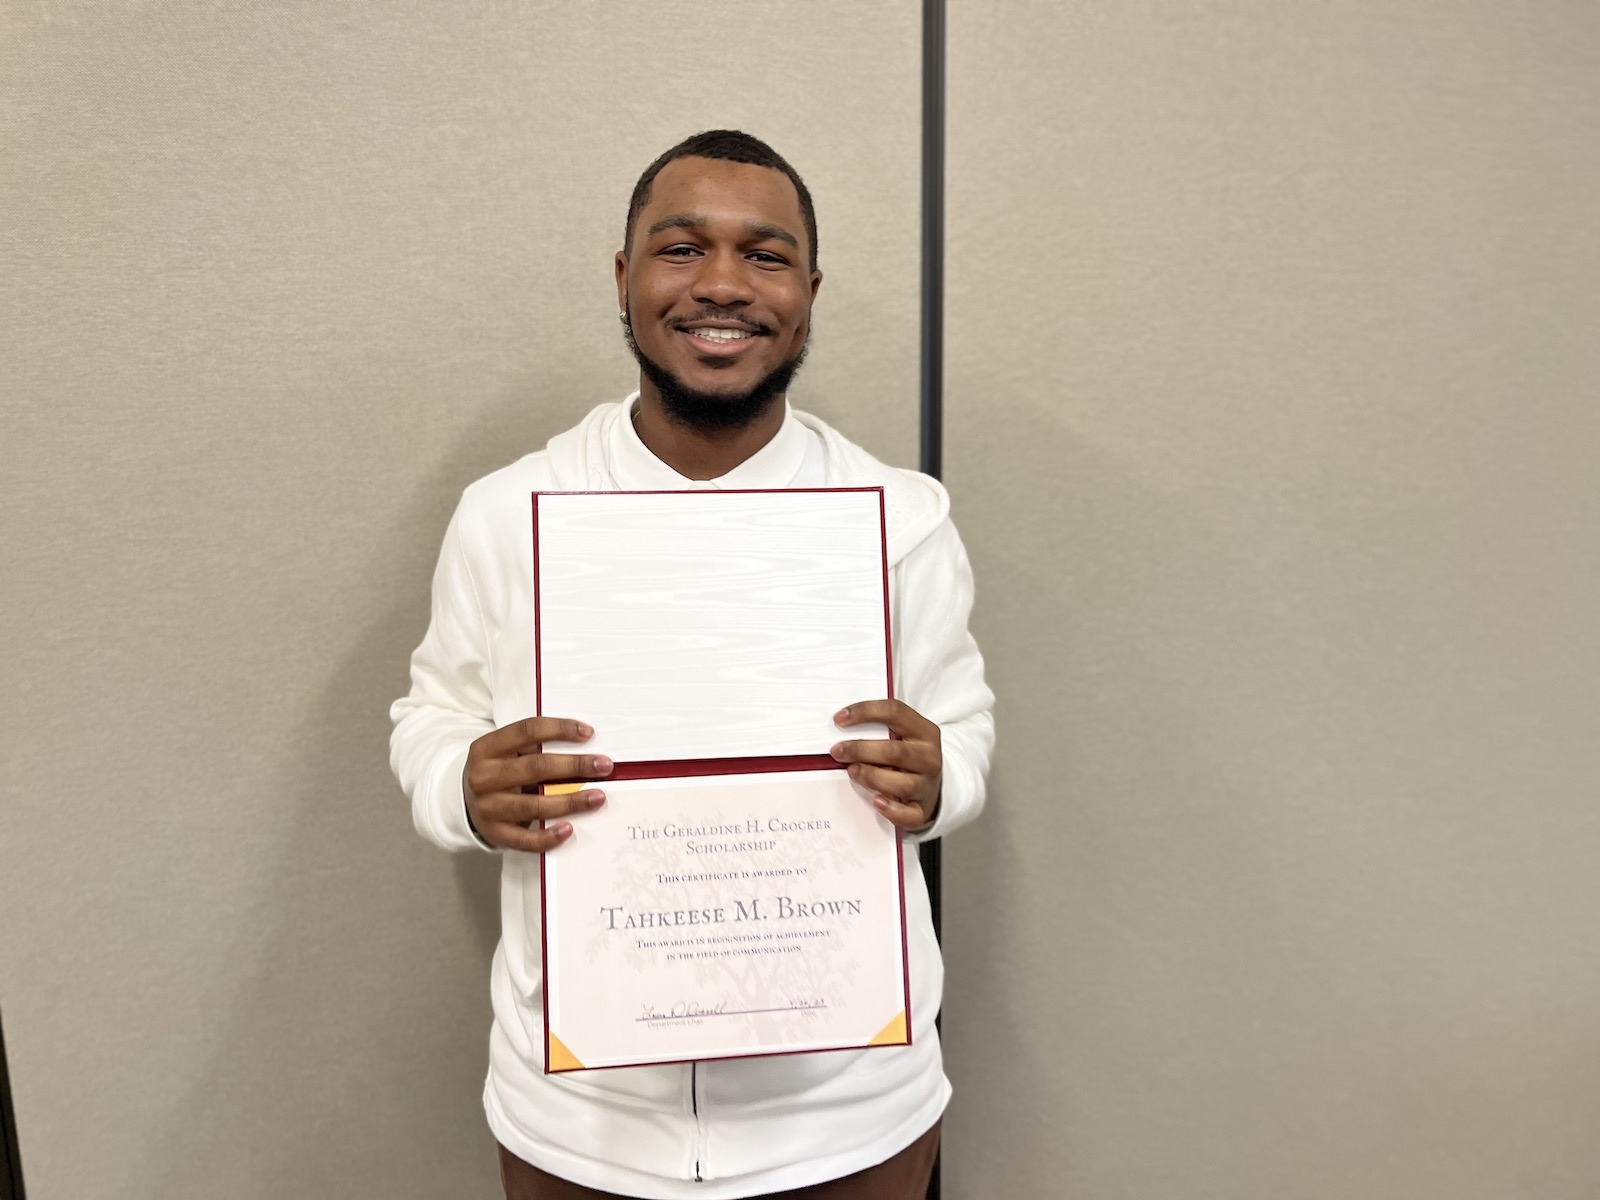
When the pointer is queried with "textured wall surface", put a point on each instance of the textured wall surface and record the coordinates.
(276, 282)
(1273, 427)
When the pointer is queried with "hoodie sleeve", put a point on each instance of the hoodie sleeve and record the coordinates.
(449, 705)
(940, 671)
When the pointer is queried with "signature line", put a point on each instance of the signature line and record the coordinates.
(738, 1012)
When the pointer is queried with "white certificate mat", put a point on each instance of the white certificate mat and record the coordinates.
(710, 624)
(723, 916)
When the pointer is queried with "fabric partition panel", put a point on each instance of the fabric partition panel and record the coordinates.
(279, 280)
(1271, 423)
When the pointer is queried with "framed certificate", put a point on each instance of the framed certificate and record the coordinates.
(737, 894)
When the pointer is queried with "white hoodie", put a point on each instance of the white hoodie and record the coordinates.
(738, 1127)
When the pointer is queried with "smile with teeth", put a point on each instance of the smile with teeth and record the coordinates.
(721, 335)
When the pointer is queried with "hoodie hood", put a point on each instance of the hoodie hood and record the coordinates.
(914, 504)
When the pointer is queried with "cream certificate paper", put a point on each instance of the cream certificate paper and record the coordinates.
(721, 903)
(710, 624)
(724, 915)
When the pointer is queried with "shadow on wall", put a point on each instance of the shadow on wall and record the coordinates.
(990, 1054)
(374, 945)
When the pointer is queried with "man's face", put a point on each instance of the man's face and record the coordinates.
(717, 288)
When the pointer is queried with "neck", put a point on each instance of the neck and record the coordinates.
(695, 453)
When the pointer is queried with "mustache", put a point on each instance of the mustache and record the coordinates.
(712, 313)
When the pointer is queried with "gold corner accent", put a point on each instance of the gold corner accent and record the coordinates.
(892, 1034)
(560, 1058)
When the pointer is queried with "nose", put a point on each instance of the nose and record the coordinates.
(723, 280)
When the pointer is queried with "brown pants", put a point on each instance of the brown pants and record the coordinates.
(903, 1177)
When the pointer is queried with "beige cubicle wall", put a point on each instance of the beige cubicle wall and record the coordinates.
(277, 280)
(1274, 428)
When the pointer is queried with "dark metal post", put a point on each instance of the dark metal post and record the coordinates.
(10, 1156)
(932, 356)
(932, 237)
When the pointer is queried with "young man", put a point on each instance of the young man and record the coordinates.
(715, 284)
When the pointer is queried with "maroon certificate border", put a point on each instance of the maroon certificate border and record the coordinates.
(698, 767)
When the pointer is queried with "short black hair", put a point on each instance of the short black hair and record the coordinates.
(728, 145)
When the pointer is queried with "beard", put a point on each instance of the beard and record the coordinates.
(714, 412)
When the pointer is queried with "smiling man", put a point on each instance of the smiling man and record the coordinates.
(723, 297)
(715, 285)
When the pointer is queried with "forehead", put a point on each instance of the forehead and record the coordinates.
(718, 191)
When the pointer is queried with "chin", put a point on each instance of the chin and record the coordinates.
(719, 386)
(710, 401)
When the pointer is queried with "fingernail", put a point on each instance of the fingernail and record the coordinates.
(840, 717)
(602, 764)
(879, 803)
(594, 799)
(585, 730)
(562, 830)
(837, 751)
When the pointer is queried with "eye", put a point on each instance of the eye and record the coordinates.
(768, 257)
(679, 251)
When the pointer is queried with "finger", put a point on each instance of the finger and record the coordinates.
(526, 770)
(895, 785)
(905, 816)
(529, 841)
(523, 808)
(529, 732)
(917, 757)
(896, 714)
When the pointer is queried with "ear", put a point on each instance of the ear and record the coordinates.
(816, 282)
(622, 280)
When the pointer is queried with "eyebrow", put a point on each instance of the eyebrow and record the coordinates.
(696, 222)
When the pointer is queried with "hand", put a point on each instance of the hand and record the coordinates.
(500, 782)
(903, 775)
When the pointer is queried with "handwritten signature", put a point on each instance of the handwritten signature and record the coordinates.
(681, 1009)
(693, 1010)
